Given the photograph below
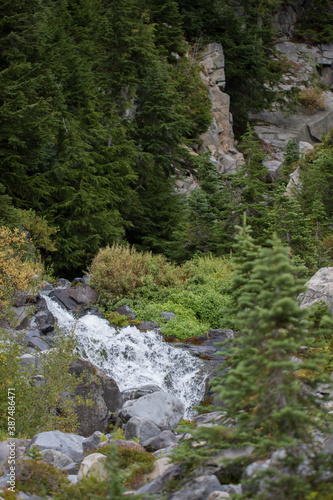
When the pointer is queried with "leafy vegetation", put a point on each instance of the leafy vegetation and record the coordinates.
(195, 292)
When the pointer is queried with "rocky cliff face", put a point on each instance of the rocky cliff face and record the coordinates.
(309, 67)
(219, 139)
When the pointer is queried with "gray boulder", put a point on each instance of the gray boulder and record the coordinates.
(78, 296)
(11, 447)
(95, 311)
(143, 428)
(148, 325)
(56, 458)
(91, 443)
(125, 311)
(33, 339)
(68, 444)
(163, 409)
(22, 317)
(163, 440)
(319, 288)
(197, 489)
(158, 484)
(99, 388)
(43, 318)
(167, 315)
(139, 392)
(62, 283)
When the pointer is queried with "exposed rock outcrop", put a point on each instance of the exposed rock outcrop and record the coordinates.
(219, 138)
(308, 125)
(319, 289)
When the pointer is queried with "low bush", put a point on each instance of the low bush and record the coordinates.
(311, 99)
(41, 478)
(133, 464)
(118, 270)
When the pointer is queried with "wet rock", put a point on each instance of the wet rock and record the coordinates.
(148, 325)
(33, 339)
(197, 489)
(163, 409)
(95, 311)
(102, 390)
(67, 443)
(139, 392)
(72, 298)
(43, 318)
(204, 345)
(22, 317)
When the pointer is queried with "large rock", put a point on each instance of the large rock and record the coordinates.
(163, 409)
(77, 296)
(274, 128)
(319, 288)
(141, 428)
(158, 484)
(9, 448)
(93, 466)
(198, 489)
(56, 458)
(68, 444)
(99, 388)
(139, 392)
(163, 440)
(43, 318)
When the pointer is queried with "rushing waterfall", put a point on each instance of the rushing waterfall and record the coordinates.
(134, 358)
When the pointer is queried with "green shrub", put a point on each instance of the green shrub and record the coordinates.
(118, 270)
(39, 406)
(40, 478)
(133, 463)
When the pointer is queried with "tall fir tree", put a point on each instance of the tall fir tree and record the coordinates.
(262, 390)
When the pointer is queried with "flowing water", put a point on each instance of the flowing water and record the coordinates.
(134, 358)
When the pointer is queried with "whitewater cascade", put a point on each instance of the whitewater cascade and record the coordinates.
(134, 358)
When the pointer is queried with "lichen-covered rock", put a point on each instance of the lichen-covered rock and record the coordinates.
(99, 388)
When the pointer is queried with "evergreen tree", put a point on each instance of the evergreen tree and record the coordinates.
(262, 389)
(244, 30)
(286, 218)
(249, 186)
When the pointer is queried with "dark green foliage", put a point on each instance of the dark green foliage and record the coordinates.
(262, 391)
(316, 22)
(243, 29)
